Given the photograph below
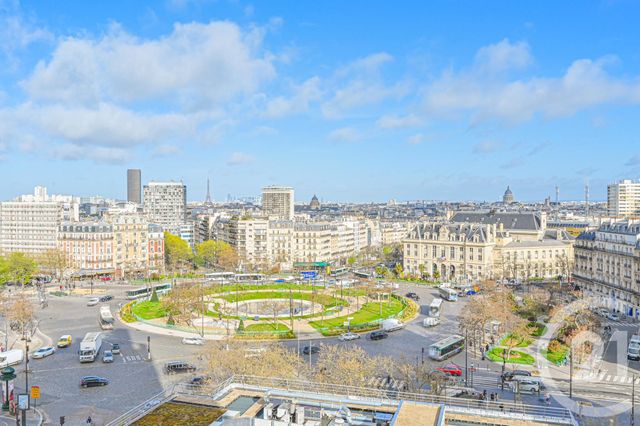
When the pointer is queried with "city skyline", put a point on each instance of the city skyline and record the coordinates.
(430, 105)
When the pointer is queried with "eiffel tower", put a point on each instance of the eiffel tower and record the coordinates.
(207, 200)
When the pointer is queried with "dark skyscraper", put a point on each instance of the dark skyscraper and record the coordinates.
(134, 187)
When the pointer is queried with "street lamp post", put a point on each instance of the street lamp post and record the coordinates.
(148, 348)
(633, 401)
(570, 373)
(466, 357)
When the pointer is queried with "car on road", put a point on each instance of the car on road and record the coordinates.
(345, 337)
(178, 367)
(602, 312)
(412, 295)
(462, 294)
(378, 335)
(451, 369)
(309, 350)
(105, 279)
(65, 341)
(106, 298)
(509, 375)
(107, 357)
(193, 341)
(43, 352)
(525, 385)
(93, 301)
(115, 348)
(613, 316)
(93, 381)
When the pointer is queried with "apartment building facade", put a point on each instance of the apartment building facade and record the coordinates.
(88, 247)
(607, 265)
(165, 204)
(278, 202)
(623, 199)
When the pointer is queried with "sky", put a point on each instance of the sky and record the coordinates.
(353, 101)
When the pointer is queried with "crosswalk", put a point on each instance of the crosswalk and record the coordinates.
(384, 383)
(607, 377)
(131, 358)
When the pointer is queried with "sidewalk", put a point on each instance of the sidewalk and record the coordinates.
(34, 418)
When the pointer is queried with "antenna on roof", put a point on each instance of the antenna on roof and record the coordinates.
(586, 199)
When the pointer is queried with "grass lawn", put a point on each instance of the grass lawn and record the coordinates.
(556, 356)
(324, 299)
(149, 310)
(217, 288)
(521, 343)
(267, 326)
(539, 330)
(369, 312)
(516, 357)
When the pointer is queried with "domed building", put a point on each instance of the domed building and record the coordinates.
(315, 203)
(507, 198)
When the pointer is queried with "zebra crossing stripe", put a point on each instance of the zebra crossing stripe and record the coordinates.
(601, 376)
(608, 379)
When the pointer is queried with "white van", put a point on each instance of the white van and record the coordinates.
(11, 357)
(392, 324)
(430, 322)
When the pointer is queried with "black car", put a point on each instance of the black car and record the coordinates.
(106, 298)
(307, 350)
(199, 380)
(92, 381)
(412, 295)
(178, 367)
(378, 335)
(115, 348)
(507, 376)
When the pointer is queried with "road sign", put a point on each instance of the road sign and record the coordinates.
(23, 401)
(35, 392)
(309, 274)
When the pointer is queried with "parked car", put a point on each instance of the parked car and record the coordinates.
(107, 357)
(613, 316)
(105, 279)
(115, 348)
(603, 312)
(64, 341)
(93, 381)
(178, 367)
(451, 369)
(345, 337)
(199, 380)
(308, 350)
(106, 298)
(378, 335)
(462, 294)
(43, 352)
(193, 341)
(412, 295)
(509, 375)
(93, 301)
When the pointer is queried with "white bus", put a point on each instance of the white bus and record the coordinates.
(219, 277)
(435, 307)
(448, 294)
(147, 291)
(249, 277)
(446, 348)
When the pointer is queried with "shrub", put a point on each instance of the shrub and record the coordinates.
(154, 296)
(241, 326)
(126, 314)
(555, 345)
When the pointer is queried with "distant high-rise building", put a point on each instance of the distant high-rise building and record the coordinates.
(165, 204)
(623, 199)
(277, 202)
(134, 186)
(207, 199)
(507, 198)
(315, 203)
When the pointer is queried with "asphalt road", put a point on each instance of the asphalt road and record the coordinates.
(133, 379)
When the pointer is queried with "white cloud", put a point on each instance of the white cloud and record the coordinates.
(166, 150)
(75, 152)
(347, 134)
(416, 139)
(239, 158)
(360, 84)
(196, 65)
(398, 122)
(298, 103)
(487, 93)
(503, 56)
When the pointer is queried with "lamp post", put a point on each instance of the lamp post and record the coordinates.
(8, 374)
(570, 374)
(466, 357)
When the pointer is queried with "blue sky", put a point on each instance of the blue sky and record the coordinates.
(352, 101)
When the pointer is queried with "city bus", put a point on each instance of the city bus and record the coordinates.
(249, 277)
(447, 293)
(435, 307)
(446, 348)
(147, 291)
(363, 274)
(339, 270)
(219, 277)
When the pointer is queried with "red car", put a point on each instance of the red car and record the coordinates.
(451, 369)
